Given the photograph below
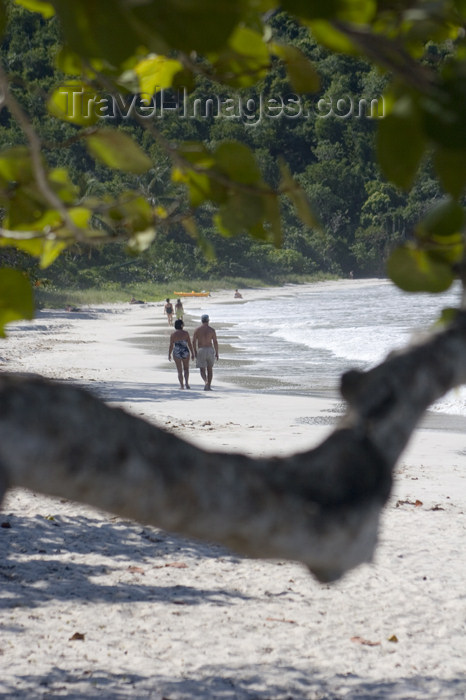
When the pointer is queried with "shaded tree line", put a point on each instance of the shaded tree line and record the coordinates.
(327, 139)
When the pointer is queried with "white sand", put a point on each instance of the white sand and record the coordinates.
(168, 618)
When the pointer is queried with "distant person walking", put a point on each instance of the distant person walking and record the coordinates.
(206, 350)
(168, 309)
(179, 311)
(181, 347)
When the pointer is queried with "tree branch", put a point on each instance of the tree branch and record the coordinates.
(320, 507)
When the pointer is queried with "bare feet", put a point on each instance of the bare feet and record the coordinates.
(207, 388)
(187, 386)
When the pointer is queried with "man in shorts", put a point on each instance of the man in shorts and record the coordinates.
(206, 350)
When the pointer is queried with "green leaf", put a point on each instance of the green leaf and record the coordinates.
(70, 63)
(133, 212)
(327, 35)
(51, 249)
(448, 315)
(245, 59)
(118, 150)
(417, 270)
(44, 8)
(80, 216)
(356, 11)
(25, 207)
(237, 161)
(199, 185)
(16, 299)
(199, 25)
(450, 166)
(240, 213)
(196, 153)
(98, 29)
(444, 109)
(15, 166)
(448, 249)
(156, 73)
(43, 247)
(73, 102)
(31, 246)
(442, 220)
(60, 182)
(400, 143)
(301, 72)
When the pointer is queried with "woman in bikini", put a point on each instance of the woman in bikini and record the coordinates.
(179, 309)
(180, 346)
(168, 309)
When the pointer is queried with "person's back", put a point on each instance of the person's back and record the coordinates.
(179, 309)
(168, 309)
(206, 350)
(205, 335)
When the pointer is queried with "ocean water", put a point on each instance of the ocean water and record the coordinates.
(304, 339)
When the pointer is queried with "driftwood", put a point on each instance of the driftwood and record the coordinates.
(319, 507)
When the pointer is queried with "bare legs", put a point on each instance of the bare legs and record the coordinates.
(186, 372)
(207, 377)
(182, 367)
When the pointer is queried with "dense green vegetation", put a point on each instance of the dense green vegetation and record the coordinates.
(331, 155)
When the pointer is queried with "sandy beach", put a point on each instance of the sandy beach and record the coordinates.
(93, 606)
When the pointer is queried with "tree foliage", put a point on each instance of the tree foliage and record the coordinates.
(139, 123)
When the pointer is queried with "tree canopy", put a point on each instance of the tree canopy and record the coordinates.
(332, 134)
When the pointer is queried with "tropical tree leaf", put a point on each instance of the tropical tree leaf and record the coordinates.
(328, 35)
(244, 60)
(156, 73)
(133, 212)
(46, 9)
(73, 102)
(118, 150)
(357, 11)
(301, 71)
(450, 166)
(443, 220)
(415, 270)
(16, 299)
(98, 29)
(242, 212)
(15, 166)
(237, 161)
(400, 143)
(188, 25)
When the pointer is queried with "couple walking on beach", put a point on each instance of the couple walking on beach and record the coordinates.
(204, 348)
(168, 309)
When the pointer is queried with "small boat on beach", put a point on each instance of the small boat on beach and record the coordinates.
(191, 294)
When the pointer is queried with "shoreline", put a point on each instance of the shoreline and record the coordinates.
(49, 325)
(95, 606)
